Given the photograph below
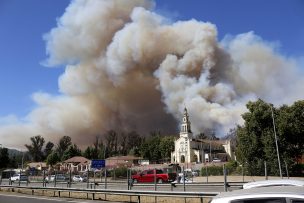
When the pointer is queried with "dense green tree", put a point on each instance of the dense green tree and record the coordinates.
(291, 130)
(102, 151)
(150, 149)
(166, 146)
(4, 158)
(13, 162)
(63, 145)
(91, 153)
(35, 149)
(87, 153)
(256, 138)
(48, 148)
(53, 158)
(70, 152)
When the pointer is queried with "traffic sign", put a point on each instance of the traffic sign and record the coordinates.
(98, 163)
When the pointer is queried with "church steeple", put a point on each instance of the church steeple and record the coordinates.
(186, 125)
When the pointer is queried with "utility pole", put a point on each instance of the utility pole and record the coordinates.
(22, 160)
(276, 141)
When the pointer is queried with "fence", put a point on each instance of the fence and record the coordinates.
(138, 194)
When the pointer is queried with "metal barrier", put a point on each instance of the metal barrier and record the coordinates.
(136, 193)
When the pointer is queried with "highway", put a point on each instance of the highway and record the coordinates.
(122, 185)
(16, 198)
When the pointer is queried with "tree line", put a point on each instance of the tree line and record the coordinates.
(256, 138)
(155, 147)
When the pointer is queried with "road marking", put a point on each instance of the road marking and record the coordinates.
(42, 198)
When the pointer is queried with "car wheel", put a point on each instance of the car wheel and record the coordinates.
(160, 181)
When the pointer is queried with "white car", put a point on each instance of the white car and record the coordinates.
(216, 160)
(18, 177)
(59, 178)
(272, 194)
(50, 178)
(278, 182)
(78, 178)
(181, 180)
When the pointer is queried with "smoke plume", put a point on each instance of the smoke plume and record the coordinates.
(128, 68)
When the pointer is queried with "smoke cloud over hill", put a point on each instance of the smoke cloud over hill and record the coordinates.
(129, 68)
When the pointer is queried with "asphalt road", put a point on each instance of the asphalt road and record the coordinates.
(122, 185)
(7, 198)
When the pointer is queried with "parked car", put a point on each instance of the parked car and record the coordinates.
(149, 176)
(78, 178)
(59, 178)
(272, 194)
(18, 177)
(180, 179)
(189, 172)
(279, 182)
(216, 160)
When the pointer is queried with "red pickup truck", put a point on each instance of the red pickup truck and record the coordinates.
(149, 176)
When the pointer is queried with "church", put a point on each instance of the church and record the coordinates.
(190, 150)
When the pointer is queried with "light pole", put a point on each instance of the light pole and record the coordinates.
(22, 160)
(276, 141)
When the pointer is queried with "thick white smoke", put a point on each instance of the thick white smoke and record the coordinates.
(128, 68)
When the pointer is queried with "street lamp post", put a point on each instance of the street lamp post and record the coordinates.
(22, 160)
(276, 141)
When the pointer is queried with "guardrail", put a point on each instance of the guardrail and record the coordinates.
(130, 193)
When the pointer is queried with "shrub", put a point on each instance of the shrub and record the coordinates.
(212, 170)
(119, 172)
(231, 168)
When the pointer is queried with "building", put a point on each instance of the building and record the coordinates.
(37, 166)
(76, 164)
(188, 149)
(122, 161)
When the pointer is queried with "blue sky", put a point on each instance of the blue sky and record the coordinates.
(23, 23)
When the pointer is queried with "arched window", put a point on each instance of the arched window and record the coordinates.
(182, 159)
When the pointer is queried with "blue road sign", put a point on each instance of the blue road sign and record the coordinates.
(98, 163)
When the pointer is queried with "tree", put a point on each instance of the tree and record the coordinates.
(290, 128)
(87, 153)
(150, 149)
(123, 144)
(63, 145)
(256, 141)
(53, 158)
(35, 149)
(91, 153)
(254, 146)
(166, 146)
(4, 158)
(202, 136)
(13, 162)
(134, 141)
(71, 151)
(48, 148)
(111, 143)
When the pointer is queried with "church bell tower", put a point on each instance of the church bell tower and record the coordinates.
(186, 126)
